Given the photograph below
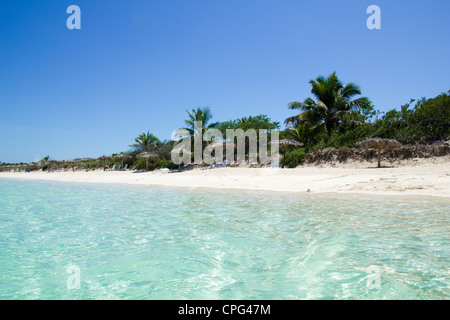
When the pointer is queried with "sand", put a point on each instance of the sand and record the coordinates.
(420, 177)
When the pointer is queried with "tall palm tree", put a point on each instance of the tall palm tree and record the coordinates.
(145, 142)
(332, 101)
(200, 114)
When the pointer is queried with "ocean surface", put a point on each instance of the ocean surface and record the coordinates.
(99, 241)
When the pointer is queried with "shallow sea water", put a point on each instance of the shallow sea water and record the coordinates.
(98, 241)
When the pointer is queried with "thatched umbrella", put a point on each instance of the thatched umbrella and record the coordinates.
(72, 162)
(122, 157)
(180, 151)
(379, 144)
(224, 145)
(286, 143)
(58, 164)
(147, 155)
(104, 158)
(84, 160)
(49, 163)
(7, 168)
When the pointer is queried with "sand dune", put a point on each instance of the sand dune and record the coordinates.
(427, 177)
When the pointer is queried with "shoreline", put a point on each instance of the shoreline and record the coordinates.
(417, 177)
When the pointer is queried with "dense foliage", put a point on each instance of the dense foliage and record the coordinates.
(336, 117)
(427, 121)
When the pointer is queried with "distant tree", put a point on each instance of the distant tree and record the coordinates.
(432, 117)
(333, 101)
(200, 114)
(427, 121)
(259, 122)
(145, 142)
(304, 132)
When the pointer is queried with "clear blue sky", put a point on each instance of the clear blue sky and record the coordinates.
(136, 66)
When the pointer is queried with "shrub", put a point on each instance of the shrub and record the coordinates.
(343, 153)
(154, 164)
(294, 157)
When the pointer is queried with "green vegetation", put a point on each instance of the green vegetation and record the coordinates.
(145, 142)
(259, 122)
(335, 120)
(336, 117)
(200, 114)
(294, 157)
(333, 108)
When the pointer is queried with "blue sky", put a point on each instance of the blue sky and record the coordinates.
(136, 66)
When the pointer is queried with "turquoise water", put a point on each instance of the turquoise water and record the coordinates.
(134, 242)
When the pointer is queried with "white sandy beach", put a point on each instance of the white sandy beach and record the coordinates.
(424, 177)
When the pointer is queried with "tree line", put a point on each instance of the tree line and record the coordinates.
(335, 115)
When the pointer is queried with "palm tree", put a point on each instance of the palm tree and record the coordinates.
(332, 101)
(145, 142)
(200, 114)
(305, 131)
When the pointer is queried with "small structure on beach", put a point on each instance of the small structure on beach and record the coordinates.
(379, 144)
(122, 157)
(49, 164)
(104, 159)
(72, 162)
(147, 155)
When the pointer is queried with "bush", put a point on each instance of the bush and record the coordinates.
(294, 157)
(343, 153)
(154, 164)
(428, 121)
(432, 117)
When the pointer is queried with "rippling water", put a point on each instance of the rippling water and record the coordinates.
(134, 242)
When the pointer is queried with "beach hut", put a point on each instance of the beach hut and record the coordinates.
(104, 159)
(379, 144)
(49, 164)
(122, 157)
(71, 161)
(147, 155)
(81, 160)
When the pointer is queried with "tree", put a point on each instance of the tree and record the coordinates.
(200, 114)
(432, 117)
(259, 122)
(333, 101)
(145, 142)
(304, 132)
